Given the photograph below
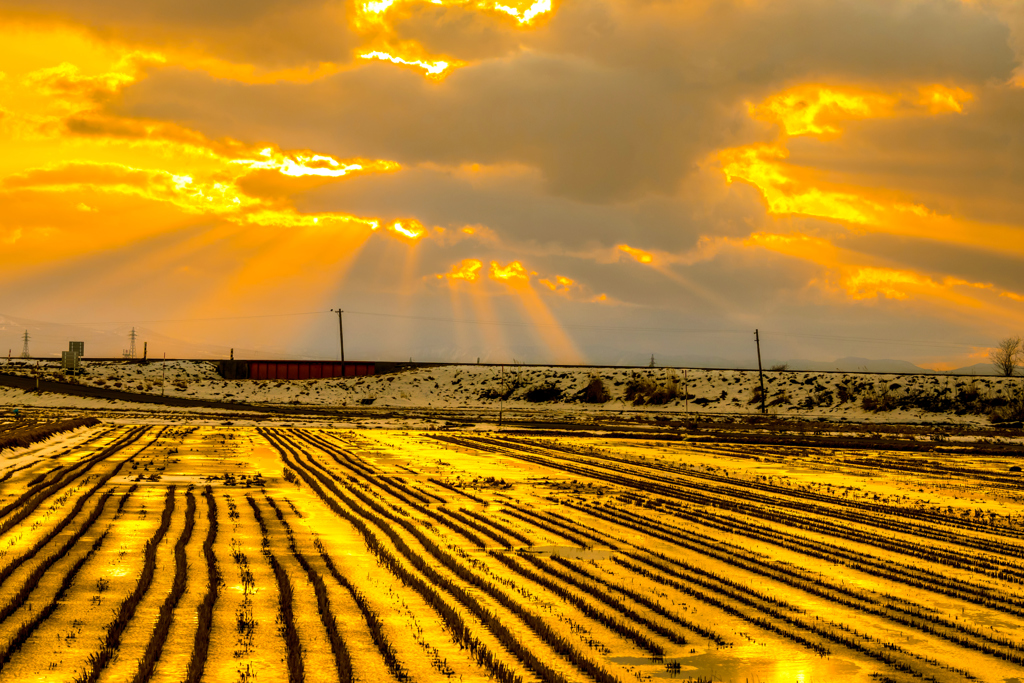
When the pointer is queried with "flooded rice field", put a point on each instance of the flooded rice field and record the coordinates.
(237, 553)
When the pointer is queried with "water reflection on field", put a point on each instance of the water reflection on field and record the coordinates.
(559, 556)
(749, 665)
(571, 552)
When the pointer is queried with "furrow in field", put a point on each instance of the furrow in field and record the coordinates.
(45, 581)
(917, 577)
(180, 581)
(78, 625)
(584, 601)
(599, 589)
(46, 461)
(285, 596)
(899, 610)
(914, 576)
(547, 635)
(474, 524)
(314, 644)
(988, 566)
(17, 600)
(425, 580)
(971, 638)
(111, 642)
(28, 502)
(204, 611)
(494, 523)
(244, 642)
(456, 490)
(580, 537)
(360, 473)
(888, 517)
(62, 524)
(346, 593)
(468, 528)
(29, 627)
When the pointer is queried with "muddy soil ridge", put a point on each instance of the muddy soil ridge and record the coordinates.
(189, 549)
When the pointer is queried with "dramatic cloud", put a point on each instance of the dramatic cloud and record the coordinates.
(511, 177)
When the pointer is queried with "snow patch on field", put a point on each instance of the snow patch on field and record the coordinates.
(833, 396)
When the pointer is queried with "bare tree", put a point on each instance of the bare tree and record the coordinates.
(1007, 355)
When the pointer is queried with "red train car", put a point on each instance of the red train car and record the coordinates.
(307, 369)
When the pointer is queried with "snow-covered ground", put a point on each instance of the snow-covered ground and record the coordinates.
(16, 398)
(834, 396)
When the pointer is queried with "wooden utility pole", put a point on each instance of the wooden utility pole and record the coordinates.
(760, 372)
(686, 392)
(341, 337)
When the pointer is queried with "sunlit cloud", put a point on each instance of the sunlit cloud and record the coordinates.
(467, 270)
(409, 229)
(299, 164)
(374, 19)
(560, 284)
(639, 254)
(555, 162)
(814, 109)
(374, 13)
(789, 189)
(513, 272)
(437, 68)
(859, 277)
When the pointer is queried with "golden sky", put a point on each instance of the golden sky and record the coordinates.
(598, 180)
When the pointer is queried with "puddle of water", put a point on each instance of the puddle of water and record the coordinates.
(749, 668)
(571, 552)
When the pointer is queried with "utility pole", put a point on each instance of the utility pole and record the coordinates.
(24, 349)
(760, 372)
(163, 378)
(341, 337)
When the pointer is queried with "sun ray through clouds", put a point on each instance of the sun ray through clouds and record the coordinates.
(517, 279)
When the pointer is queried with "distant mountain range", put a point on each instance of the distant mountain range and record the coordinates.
(854, 364)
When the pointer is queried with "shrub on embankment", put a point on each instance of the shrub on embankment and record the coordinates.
(27, 437)
(965, 398)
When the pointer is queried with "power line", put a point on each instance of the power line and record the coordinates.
(190, 320)
(570, 326)
(919, 342)
(501, 323)
(512, 323)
